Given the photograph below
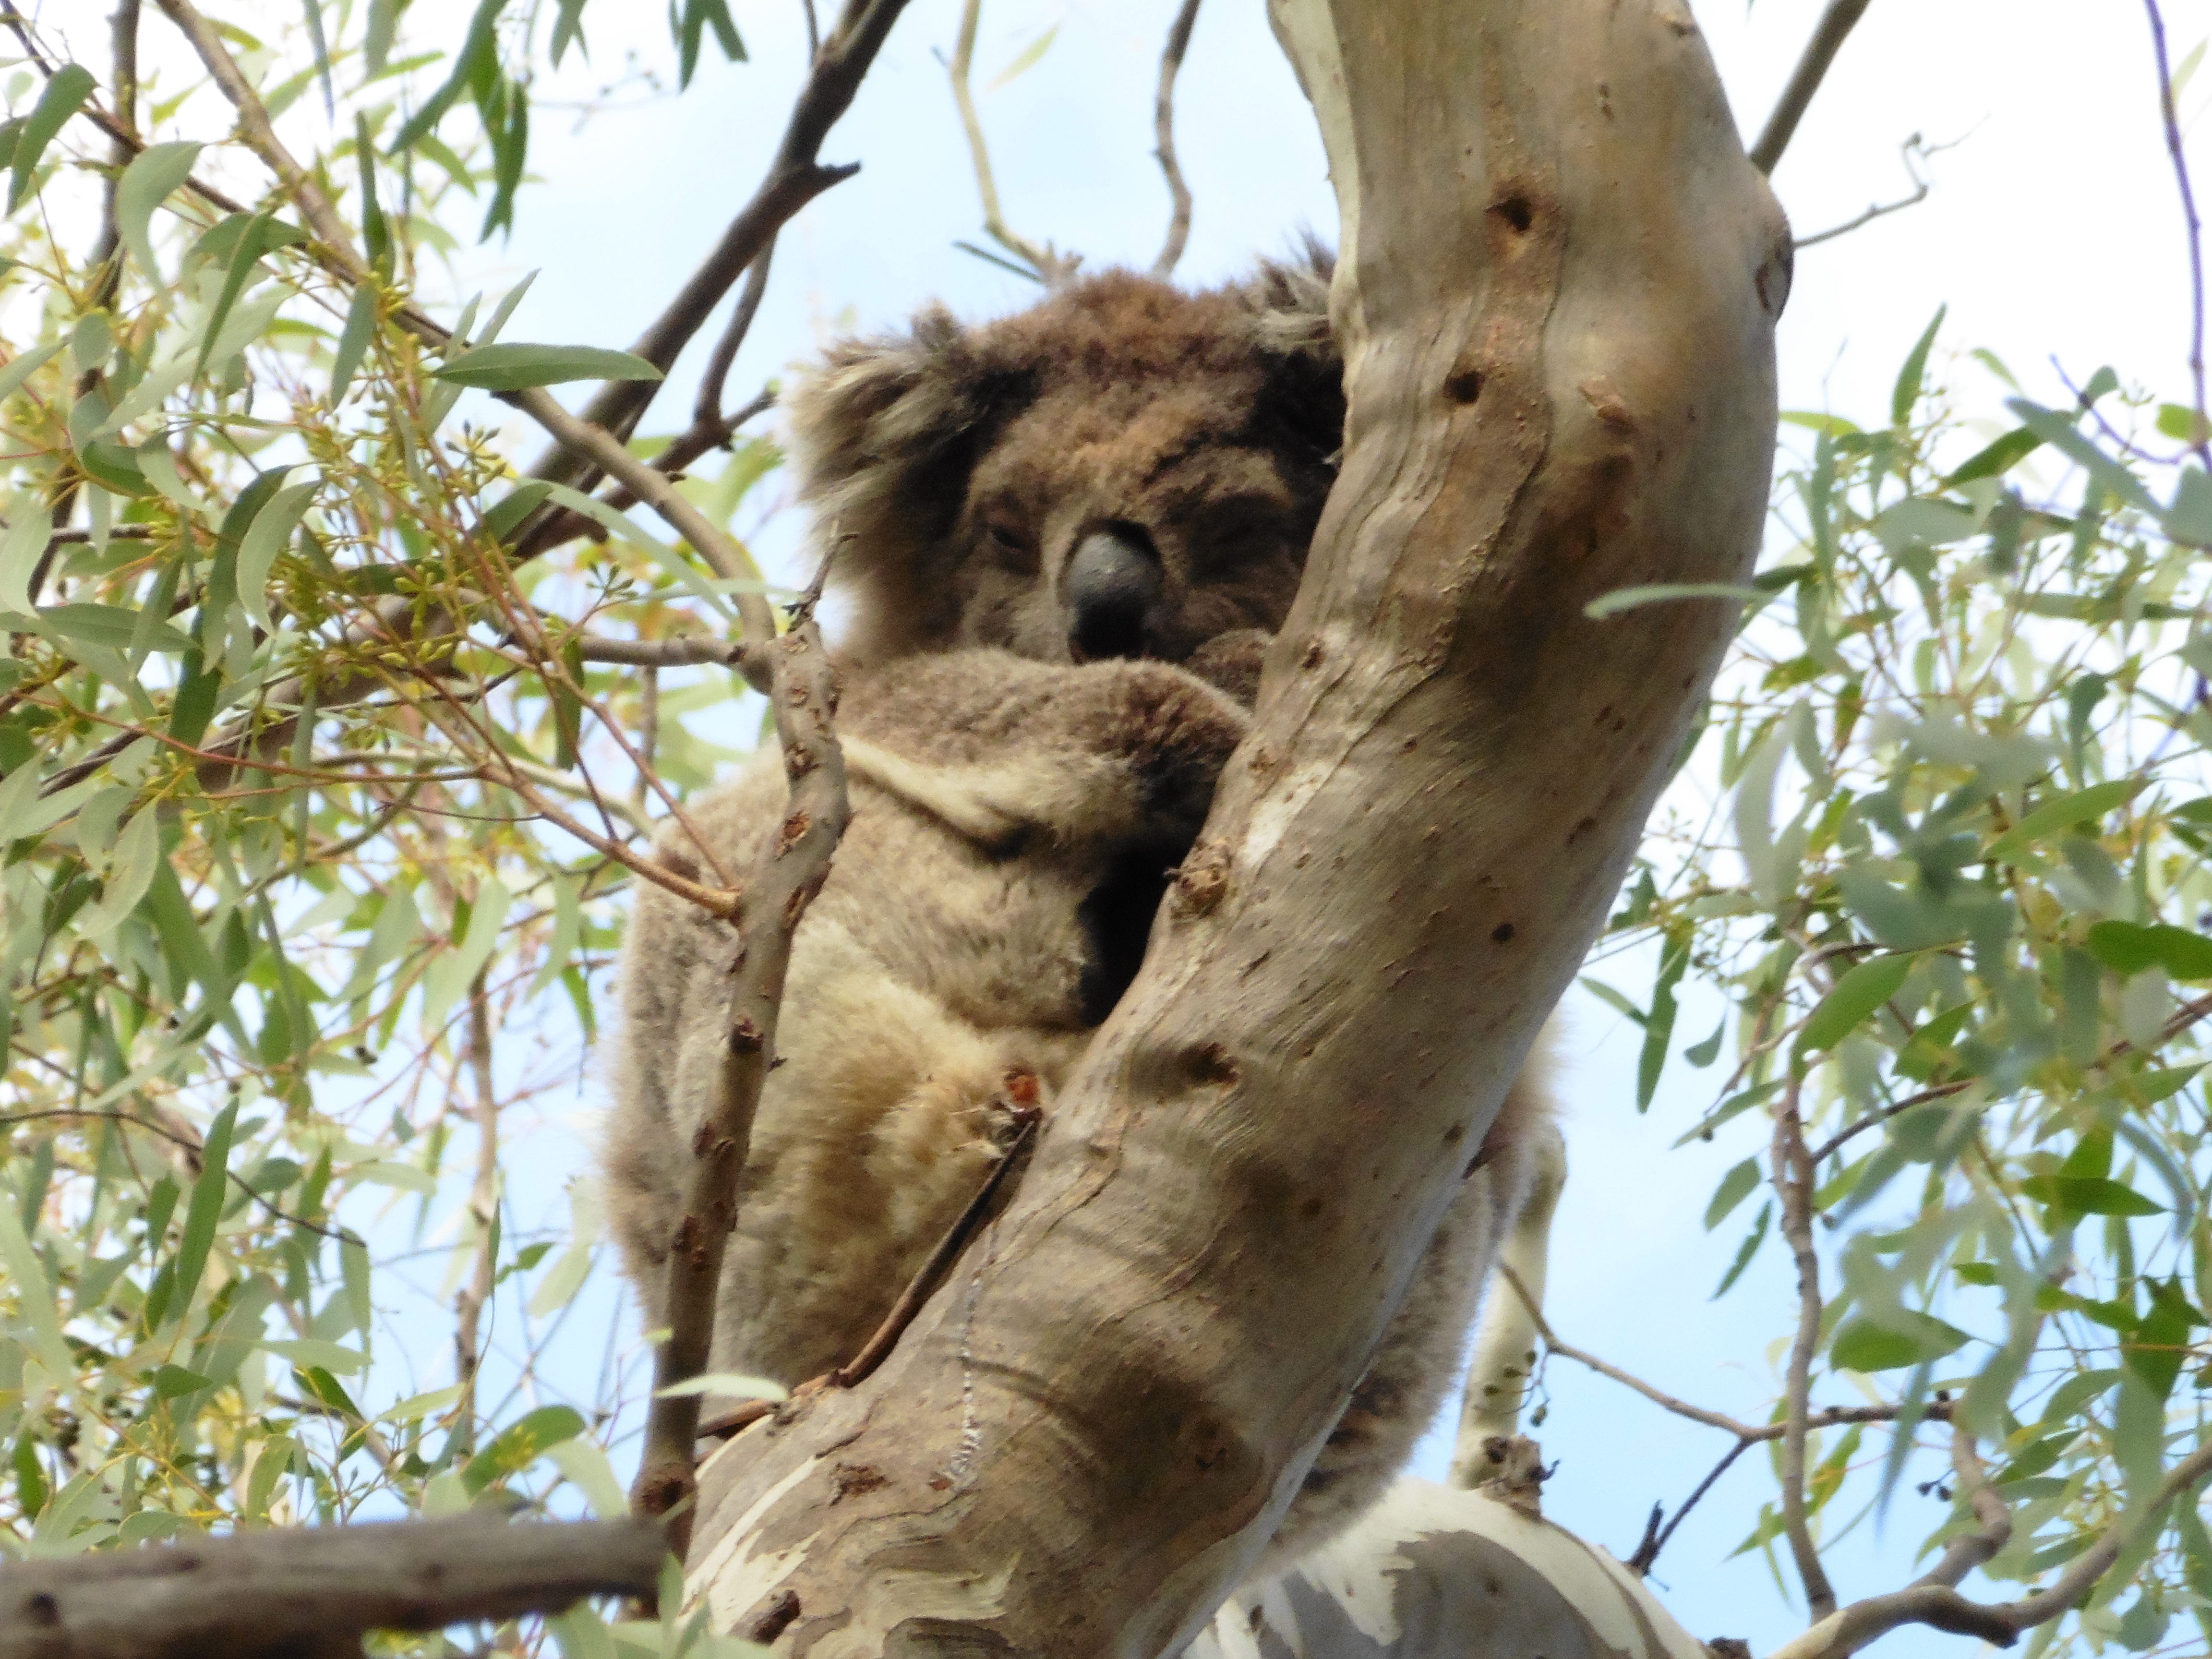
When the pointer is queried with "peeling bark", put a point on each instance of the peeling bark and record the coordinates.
(1557, 289)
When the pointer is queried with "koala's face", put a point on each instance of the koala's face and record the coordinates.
(1124, 471)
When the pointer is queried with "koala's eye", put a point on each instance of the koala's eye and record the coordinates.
(1008, 539)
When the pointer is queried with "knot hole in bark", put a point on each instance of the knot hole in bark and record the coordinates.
(1464, 385)
(1515, 210)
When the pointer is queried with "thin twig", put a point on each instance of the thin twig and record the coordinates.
(1881, 209)
(794, 178)
(1972, 1549)
(1828, 34)
(1171, 56)
(707, 412)
(1647, 1553)
(788, 871)
(483, 1210)
(1051, 267)
(1792, 1189)
(2202, 436)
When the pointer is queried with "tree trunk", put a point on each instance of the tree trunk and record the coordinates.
(1556, 290)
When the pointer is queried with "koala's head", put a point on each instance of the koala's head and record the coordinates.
(1123, 469)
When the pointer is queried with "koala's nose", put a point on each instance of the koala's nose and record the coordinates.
(1112, 582)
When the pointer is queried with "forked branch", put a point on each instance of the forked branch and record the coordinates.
(1047, 264)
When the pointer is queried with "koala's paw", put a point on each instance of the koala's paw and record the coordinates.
(1231, 662)
(1178, 732)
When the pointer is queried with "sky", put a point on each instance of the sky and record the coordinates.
(2051, 231)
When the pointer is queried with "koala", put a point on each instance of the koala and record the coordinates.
(1063, 540)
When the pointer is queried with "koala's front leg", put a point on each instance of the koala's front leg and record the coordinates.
(1100, 755)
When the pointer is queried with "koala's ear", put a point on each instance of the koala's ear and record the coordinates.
(884, 434)
(1302, 402)
(1287, 300)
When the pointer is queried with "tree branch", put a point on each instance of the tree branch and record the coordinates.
(483, 1210)
(1048, 265)
(1940, 1607)
(1911, 147)
(1500, 1372)
(787, 874)
(1828, 35)
(1793, 1190)
(2202, 436)
(312, 1590)
(1171, 55)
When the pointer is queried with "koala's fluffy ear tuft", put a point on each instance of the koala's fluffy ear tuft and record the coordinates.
(1288, 302)
(1301, 406)
(883, 434)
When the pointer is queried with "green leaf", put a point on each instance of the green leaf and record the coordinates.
(1745, 1251)
(1907, 392)
(2088, 1196)
(1630, 598)
(353, 341)
(205, 1208)
(71, 85)
(2083, 807)
(1903, 1337)
(1734, 1186)
(1995, 460)
(1024, 60)
(21, 365)
(171, 1381)
(513, 367)
(129, 876)
(479, 49)
(34, 1298)
(505, 516)
(1857, 995)
(1659, 1022)
(568, 25)
(2161, 1342)
(154, 175)
(689, 20)
(325, 1390)
(2127, 948)
(520, 1445)
(265, 538)
(21, 551)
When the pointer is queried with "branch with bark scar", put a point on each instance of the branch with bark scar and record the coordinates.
(787, 874)
(313, 1589)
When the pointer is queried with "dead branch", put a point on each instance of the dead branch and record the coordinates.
(788, 871)
(314, 1590)
(1828, 35)
(1171, 56)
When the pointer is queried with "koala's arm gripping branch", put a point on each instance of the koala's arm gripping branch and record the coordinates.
(787, 874)
(1557, 291)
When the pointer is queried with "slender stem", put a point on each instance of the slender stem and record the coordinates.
(484, 1211)
(2202, 436)
(706, 413)
(1051, 267)
(1828, 35)
(1793, 1187)
(1647, 1554)
(1171, 56)
(1971, 1550)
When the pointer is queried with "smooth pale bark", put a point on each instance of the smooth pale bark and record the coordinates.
(1431, 1573)
(1557, 291)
